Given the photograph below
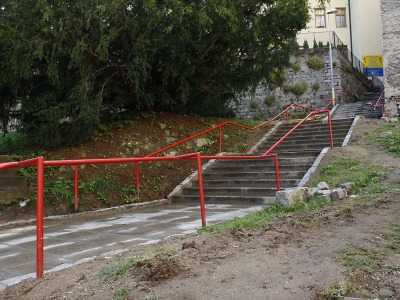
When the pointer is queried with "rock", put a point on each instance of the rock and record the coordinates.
(200, 142)
(326, 193)
(338, 194)
(348, 186)
(322, 186)
(291, 196)
(312, 192)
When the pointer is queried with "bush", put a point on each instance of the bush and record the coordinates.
(286, 88)
(320, 44)
(305, 45)
(315, 45)
(315, 87)
(315, 63)
(270, 100)
(296, 66)
(300, 88)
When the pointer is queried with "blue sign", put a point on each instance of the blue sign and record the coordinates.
(376, 71)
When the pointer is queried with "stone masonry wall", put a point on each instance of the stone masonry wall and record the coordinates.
(264, 103)
(390, 15)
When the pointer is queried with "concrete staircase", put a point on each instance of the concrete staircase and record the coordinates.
(12, 186)
(253, 180)
(361, 107)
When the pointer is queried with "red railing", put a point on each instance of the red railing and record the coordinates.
(313, 113)
(377, 104)
(40, 164)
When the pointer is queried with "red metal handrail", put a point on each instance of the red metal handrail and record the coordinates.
(40, 164)
(37, 162)
(377, 104)
(301, 122)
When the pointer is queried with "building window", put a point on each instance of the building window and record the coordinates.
(320, 17)
(341, 17)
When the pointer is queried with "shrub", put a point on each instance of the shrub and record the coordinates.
(315, 63)
(305, 45)
(315, 45)
(296, 66)
(300, 88)
(315, 86)
(270, 100)
(320, 44)
(254, 104)
(286, 88)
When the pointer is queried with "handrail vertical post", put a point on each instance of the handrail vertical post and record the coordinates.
(287, 115)
(137, 180)
(76, 188)
(220, 138)
(330, 128)
(277, 175)
(201, 190)
(39, 216)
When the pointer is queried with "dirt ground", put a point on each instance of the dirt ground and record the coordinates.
(298, 257)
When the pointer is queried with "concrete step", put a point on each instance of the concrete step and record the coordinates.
(232, 191)
(263, 200)
(264, 161)
(256, 175)
(246, 183)
(10, 194)
(254, 168)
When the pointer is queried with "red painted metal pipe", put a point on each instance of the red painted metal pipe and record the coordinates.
(201, 189)
(39, 217)
(220, 139)
(76, 188)
(278, 178)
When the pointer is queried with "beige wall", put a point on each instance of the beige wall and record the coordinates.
(321, 34)
(366, 27)
(391, 46)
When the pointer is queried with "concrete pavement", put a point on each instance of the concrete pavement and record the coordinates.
(81, 238)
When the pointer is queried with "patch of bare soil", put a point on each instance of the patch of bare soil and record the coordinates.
(297, 257)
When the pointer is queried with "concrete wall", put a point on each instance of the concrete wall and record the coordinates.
(391, 47)
(256, 105)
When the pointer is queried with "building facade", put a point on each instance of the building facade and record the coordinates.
(357, 23)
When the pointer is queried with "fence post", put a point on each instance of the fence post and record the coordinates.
(220, 138)
(330, 127)
(277, 175)
(201, 190)
(39, 216)
(137, 180)
(76, 188)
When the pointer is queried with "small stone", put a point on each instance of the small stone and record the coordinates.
(291, 196)
(348, 186)
(338, 194)
(326, 193)
(312, 192)
(322, 186)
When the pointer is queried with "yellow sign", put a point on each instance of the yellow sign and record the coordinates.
(372, 61)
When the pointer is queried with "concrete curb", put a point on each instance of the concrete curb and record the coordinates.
(348, 136)
(313, 168)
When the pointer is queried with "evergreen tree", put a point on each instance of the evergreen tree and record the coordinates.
(71, 64)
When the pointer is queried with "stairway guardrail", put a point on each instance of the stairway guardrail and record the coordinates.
(378, 104)
(313, 113)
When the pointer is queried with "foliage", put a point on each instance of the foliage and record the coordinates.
(270, 212)
(305, 45)
(316, 63)
(74, 65)
(270, 100)
(299, 88)
(315, 45)
(320, 44)
(315, 86)
(121, 266)
(296, 66)
(347, 169)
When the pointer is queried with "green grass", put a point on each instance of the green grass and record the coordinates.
(121, 266)
(270, 212)
(359, 260)
(365, 178)
(388, 136)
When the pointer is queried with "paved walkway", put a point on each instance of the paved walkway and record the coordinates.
(71, 241)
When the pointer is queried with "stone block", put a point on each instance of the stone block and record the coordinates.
(312, 192)
(348, 186)
(338, 194)
(291, 196)
(326, 193)
(322, 186)
(200, 142)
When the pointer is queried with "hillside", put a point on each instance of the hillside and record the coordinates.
(134, 135)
